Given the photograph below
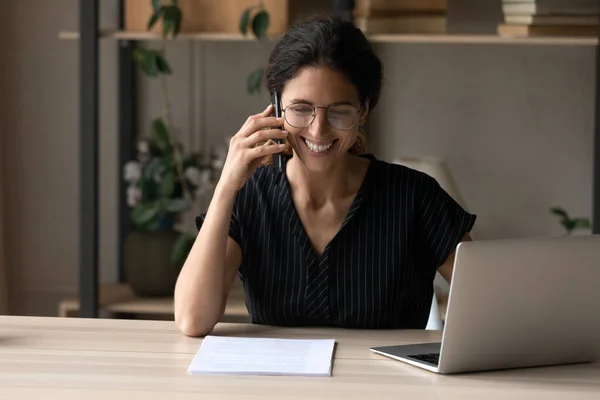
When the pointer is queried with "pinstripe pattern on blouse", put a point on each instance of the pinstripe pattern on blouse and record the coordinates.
(377, 271)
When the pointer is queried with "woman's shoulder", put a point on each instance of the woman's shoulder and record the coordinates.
(396, 173)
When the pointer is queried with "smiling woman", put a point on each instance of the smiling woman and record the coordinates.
(322, 112)
(337, 237)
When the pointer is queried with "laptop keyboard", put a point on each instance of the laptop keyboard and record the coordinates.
(431, 358)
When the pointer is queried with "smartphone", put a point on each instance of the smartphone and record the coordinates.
(278, 157)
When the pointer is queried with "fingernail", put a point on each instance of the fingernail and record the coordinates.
(285, 133)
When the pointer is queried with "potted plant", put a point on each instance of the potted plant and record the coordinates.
(161, 185)
(163, 181)
(570, 224)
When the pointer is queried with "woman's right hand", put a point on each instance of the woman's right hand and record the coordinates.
(244, 156)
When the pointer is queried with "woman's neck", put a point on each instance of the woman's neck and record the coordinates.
(319, 188)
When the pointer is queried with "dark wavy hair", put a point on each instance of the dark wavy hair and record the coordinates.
(327, 42)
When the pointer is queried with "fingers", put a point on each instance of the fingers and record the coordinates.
(257, 124)
(265, 135)
(266, 150)
(260, 121)
(267, 111)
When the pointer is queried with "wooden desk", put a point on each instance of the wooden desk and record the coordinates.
(69, 358)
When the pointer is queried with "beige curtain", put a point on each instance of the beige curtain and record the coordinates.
(3, 283)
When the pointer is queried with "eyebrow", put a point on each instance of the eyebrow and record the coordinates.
(299, 100)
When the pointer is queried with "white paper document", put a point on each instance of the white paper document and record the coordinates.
(257, 356)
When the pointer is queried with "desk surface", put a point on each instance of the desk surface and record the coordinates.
(66, 358)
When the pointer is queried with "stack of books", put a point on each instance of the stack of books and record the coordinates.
(401, 16)
(526, 18)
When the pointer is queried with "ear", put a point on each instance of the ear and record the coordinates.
(365, 113)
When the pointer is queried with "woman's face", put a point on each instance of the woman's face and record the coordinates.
(320, 145)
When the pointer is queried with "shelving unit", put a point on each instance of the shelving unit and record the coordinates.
(89, 36)
(381, 38)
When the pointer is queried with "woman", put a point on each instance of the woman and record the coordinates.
(338, 239)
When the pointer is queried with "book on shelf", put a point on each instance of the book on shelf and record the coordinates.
(418, 24)
(547, 30)
(551, 7)
(563, 20)
(525, 18)
(387, 8)
(401, 16)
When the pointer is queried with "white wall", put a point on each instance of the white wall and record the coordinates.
(39, 119)
(515, 124)
(39, 157)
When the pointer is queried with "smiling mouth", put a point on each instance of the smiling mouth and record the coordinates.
(318, 147)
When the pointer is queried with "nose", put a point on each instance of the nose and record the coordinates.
(319, 126)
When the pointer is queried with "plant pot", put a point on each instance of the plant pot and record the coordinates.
(147, 263)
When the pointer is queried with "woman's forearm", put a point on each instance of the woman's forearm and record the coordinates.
(199, 290)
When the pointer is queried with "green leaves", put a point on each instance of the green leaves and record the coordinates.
(154, 167)
(162, 65)
(245, 20)
(254, 80)
(171, 20)
(161, 134)
(156, 5)
(151, 216)
(146, 59)
(152, 62)
(171, 17)
(559, 211)
(167, 185)
(580, 223)
(161, 191)
(144, 213)
(154, 19)
(259, 22)
(260, 26)
(176, 205)
(568, 223)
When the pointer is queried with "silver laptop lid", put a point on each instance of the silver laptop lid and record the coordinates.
(523, 302)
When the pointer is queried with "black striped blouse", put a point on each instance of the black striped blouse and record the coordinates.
(378, 270)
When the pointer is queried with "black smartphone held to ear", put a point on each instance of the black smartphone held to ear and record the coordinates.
(278, 157)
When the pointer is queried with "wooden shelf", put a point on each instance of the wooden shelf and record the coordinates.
(384, 38)
(147, 36)
(118, 299)
(484, 39)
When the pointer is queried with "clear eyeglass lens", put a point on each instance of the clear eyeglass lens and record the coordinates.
(342, 117)
(339, 116)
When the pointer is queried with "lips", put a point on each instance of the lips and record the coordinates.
(318, 147)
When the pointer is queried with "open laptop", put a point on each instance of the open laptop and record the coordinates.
(516, 303)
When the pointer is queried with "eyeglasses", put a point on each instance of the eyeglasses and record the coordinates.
(339, 116)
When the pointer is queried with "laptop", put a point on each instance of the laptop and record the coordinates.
(516, 303)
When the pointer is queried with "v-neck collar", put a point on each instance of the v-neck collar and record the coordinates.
(297, 225)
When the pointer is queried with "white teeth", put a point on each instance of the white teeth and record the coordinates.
(318, 148)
